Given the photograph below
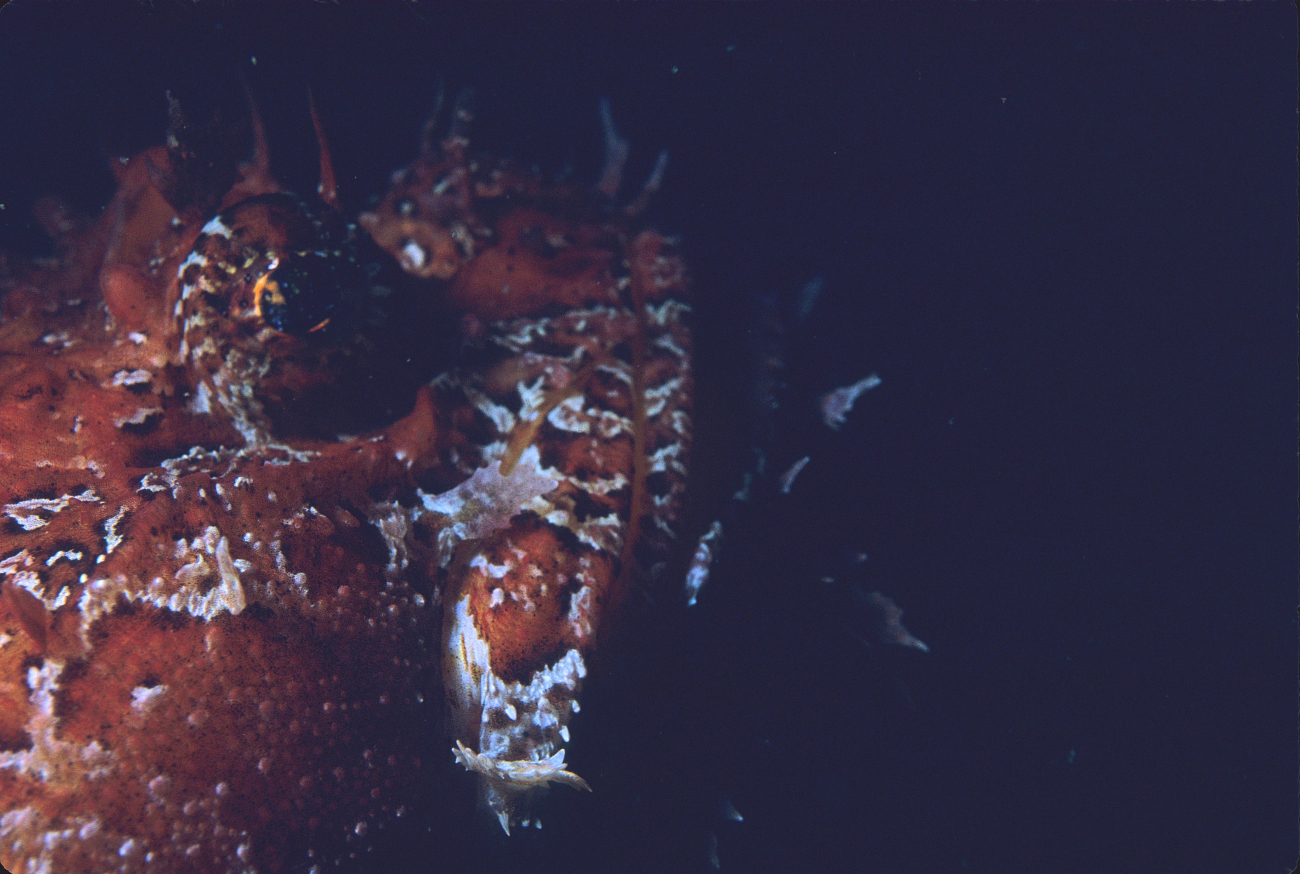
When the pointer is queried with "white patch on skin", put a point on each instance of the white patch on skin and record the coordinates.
(465, 663)
(670, 312)
(666, 342)
(413, 255)
(568, 415)
(487, 501)
(520, 334)
(600, 486)
(218, 228)
(57, 338)
(574, 416)
(667, 458)
(204, 558)
(69, 554)
(30, 835)
(49, 759)
(16, 561)
(393, 523)
(658, 397)
(496, 571)
(112, 540)
(224, 494)
(664, 525)
(143, 698)
(52, 505)
(150, 482)
(580, 613)
(139, 417)
(14, 568)
(604, 532)
(131, 377)
(502, 419)
(621, 372)
(193, 258)
(201, 403)
(23, 512)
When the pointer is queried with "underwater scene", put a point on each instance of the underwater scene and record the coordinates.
(647, 438)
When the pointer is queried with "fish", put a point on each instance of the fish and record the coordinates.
(304, 509)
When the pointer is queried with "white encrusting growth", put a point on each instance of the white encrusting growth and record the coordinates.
(139, 417)
(488, 500)
(413, 255)
(520, 773)
(143, 698)
(658, 397)
(835, 405)
(50, 759)
(466, 662)
(29, 523)
(668, 458)
(393, 523)
(787, 479)
(502, 419)
(25, 513)
(522, 747)
(201, 403)
(189, 591)
(580, 611)
(231, 589)
(131, 377)
(112, 539)
(670, 312)
(705, 551)
(496, 571)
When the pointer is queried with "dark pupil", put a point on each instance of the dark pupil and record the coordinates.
(311, 290)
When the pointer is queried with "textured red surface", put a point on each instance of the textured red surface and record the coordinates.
(222, 631)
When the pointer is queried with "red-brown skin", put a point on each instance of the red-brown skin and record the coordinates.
(221, 646)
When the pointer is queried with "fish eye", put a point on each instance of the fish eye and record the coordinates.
(304, 295)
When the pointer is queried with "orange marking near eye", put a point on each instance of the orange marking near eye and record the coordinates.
(318, 327)
(264, 287)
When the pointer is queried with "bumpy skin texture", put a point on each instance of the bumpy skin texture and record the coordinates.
(225, 633)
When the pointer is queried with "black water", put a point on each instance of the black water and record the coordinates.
(1065, 237)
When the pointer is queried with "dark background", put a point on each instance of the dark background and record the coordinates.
(1066, 239)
